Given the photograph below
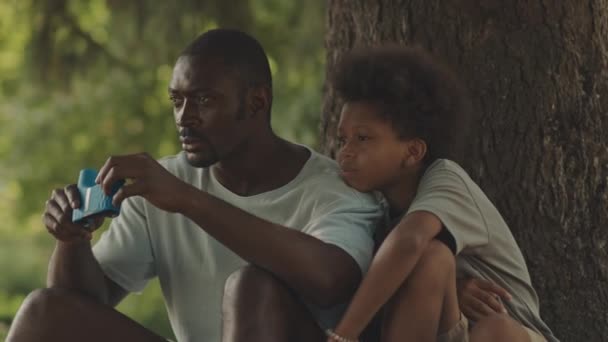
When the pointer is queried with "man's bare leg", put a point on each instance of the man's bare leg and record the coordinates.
(426, 304)
(259, 307)
(60, 315)
(498, 328)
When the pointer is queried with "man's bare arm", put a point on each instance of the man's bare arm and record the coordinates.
(321, 272)
(72, 265)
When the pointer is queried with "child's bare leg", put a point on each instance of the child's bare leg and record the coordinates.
(426, 304)
(498, 328)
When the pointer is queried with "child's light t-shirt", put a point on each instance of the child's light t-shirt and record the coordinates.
(145, 242)
(485, 247)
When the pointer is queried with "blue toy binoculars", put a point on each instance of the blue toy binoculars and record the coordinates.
(93, 200)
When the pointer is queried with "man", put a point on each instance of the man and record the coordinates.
(237, 195)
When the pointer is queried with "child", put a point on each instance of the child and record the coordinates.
(400, 123)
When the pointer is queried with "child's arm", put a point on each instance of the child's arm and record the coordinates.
(393, 263)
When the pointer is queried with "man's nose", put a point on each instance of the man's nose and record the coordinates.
(188, 114)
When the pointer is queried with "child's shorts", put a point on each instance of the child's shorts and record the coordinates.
(460, 333)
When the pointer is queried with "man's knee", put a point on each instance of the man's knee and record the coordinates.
(38, 311)
(250, 276)
(40, 303)
(50, 305)
(256, 307)
(250, 287)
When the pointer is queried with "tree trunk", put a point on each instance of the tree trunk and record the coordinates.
(538, 74)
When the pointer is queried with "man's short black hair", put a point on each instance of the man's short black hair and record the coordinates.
(419, 96)
(236, 50)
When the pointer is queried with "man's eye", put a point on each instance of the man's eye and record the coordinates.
(203, 99)
(177, 100)
(362, 138)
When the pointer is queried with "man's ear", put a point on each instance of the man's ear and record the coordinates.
(259, 100)
(416, 150)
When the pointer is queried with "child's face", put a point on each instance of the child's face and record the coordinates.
(370, 152)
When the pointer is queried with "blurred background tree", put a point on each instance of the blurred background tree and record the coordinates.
(82, 80)
(538, 76)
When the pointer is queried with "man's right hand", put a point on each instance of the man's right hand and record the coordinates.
(57, 216)
(478, 298)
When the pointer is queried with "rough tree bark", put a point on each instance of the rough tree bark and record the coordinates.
(538, 73)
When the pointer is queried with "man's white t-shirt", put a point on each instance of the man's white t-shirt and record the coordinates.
(144, 241)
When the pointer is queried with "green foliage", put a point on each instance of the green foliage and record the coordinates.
(82, 80)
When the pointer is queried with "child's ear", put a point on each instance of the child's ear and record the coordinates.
(415, 152)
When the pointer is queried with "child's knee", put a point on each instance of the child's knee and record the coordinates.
(435, 268)
(497, 322)
(497, 327)
(438, 257)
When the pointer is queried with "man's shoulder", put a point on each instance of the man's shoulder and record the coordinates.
(321, 164)
(322, 178)
(178, 165)
(172, 161)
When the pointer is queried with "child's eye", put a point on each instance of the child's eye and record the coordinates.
(362, 137)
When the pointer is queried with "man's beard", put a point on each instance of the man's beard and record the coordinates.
(212, 156)
(197, 159)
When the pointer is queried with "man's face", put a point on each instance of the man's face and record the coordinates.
(370, 152)
(208, 105)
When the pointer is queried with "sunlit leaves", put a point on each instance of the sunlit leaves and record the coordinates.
(82, 80)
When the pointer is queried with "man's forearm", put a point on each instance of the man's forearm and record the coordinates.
(323, 273)
(73, 266)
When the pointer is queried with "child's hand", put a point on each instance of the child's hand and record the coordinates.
(478, 298)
